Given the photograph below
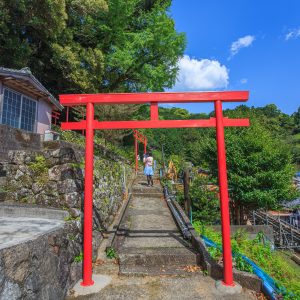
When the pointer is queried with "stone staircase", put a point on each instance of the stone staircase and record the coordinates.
(149, 242)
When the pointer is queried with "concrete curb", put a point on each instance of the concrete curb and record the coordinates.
(28, 211)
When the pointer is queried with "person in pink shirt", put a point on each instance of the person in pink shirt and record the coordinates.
(148, 171)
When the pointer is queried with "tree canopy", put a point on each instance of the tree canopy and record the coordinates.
(88, 46)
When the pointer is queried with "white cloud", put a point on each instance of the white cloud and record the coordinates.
(242, 42)
(292, 34)
(243, 80)
(201, 74)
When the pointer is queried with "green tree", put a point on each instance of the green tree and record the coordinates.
(77, 46)
(27, 29)
(90, 46)
(296, 117)
(260, 158)
(260, 168)
(205, 203)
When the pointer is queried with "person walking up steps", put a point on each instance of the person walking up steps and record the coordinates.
(148, 171)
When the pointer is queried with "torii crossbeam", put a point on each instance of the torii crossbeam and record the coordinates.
(90, 124)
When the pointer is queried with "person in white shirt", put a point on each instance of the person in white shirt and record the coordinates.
(148, 171)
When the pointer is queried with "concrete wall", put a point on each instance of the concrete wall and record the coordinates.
(1, 99)
(43, 116)
(16, 139)
(250, 230)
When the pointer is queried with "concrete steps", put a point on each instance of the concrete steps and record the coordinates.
(143, 270)
(149, 242)
(157, 257)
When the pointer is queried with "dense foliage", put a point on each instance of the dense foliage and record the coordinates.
(91, 46)
(205, 201)
(260, 168)
(261, 159)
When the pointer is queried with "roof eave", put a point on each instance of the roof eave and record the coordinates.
(35, 82)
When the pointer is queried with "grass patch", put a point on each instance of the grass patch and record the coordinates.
(111, 253)
(275, 263)
(40, 169)
(79, 258)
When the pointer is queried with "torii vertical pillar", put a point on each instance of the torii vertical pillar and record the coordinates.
(224, 199)
(88, 198)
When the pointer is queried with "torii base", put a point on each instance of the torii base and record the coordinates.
(228, 289)
(100, 282)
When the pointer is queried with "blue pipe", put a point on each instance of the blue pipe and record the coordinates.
(269, 286)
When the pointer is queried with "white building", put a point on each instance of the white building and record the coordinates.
(24, 102)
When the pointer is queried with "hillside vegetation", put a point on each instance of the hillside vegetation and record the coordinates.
(262, 159)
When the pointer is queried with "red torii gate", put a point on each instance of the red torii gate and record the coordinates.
(138, 137)
(90, 124)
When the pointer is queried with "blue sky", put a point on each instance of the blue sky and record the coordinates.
(241, 45)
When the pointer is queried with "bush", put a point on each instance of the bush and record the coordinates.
(205, 202)
(274, 263)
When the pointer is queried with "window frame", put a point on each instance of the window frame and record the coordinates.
(20, 116)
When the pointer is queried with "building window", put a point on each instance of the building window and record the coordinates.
(19, 111)
(28, 114)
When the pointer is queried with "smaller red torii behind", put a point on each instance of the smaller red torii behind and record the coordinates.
(90, 124)
(138, 137)
(55, 116)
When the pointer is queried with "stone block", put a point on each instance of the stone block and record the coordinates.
(70, 199)
(62, 172)
(69, 186)
(11, 291)
(74, 212)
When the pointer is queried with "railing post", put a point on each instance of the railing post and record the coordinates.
(280, 235)
(224, 199)
(186, 188)
(88, 198)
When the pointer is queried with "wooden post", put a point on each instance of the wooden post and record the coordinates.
(186, 189)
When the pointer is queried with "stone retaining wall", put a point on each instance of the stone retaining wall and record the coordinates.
(55, 178)
(16, 139)
(43, 268)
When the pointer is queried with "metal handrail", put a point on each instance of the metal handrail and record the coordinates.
(286, 236)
